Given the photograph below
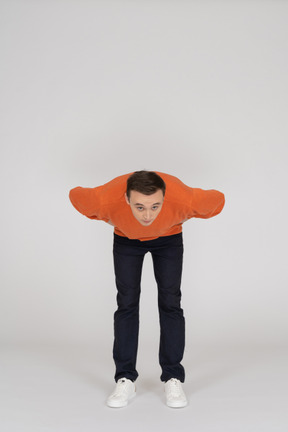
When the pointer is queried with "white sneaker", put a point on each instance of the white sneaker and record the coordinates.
(175, 396)
(125, 389)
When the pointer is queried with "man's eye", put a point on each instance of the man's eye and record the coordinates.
(140, 208)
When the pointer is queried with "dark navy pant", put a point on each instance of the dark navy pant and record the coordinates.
(167, 255)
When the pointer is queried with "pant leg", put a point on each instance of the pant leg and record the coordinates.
(128, 262)
(168, 260)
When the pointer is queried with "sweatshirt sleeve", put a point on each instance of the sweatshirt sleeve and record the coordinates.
(87, 201)
(206, 203)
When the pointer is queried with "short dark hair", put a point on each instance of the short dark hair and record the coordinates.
(145, 182)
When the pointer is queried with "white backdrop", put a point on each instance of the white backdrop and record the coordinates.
(94, 89)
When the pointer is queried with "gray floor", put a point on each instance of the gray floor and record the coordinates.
(57, 388)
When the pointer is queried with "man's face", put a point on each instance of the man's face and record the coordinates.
(145, 208)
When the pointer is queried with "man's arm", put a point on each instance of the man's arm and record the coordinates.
(206, 203)
(86, 201)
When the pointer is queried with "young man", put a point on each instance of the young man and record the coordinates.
(147, 210)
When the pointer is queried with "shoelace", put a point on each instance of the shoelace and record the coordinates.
(174, 389)
(121, 387)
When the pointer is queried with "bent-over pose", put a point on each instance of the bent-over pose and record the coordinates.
(147, 210)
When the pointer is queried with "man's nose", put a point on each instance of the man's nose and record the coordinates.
(147, 215)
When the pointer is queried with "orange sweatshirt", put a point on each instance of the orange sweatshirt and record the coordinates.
(181, 202)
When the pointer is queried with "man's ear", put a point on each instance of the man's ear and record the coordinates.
(127, 199)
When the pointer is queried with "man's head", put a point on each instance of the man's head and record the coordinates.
(145, 195)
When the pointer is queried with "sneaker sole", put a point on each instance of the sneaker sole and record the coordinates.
(115, 404)
(176, 405)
